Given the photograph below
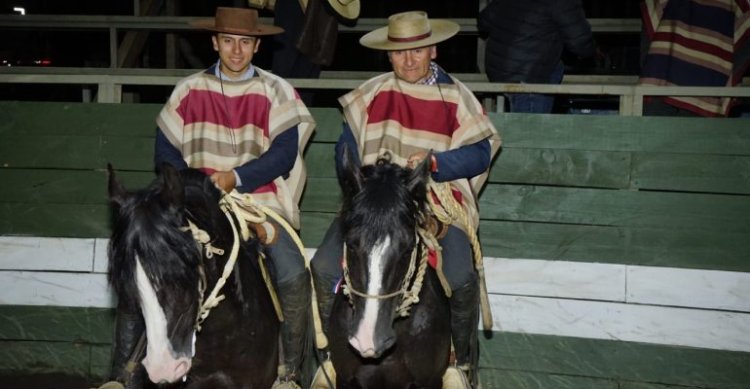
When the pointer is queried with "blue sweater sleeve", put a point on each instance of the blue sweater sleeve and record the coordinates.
(276, 162)
(464, 162)
(165, 152)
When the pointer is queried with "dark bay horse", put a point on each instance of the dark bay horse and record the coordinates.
(161, 265)
(374, 341)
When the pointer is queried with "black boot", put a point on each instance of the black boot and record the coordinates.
(464, 321)
(129, 327)
(295, 302)
(324, 295)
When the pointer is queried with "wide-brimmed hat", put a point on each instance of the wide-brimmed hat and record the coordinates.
(347, 9)
(237, 21)
(409, 30)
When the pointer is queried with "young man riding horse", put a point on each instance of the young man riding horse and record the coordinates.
(246, 129)
(408, 112)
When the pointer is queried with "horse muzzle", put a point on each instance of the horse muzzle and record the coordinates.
(370, 343)
(167, 369)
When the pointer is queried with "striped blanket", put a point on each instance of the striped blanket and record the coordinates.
(697, 43)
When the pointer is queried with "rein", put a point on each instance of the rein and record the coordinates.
(449, 211)
(204, 239)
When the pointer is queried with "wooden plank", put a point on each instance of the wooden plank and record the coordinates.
(666, 286)
(701, 328)
(618, 133)
(45, 357)
(51, 254)
(81, 119)
(56, 323)
(77, 152)
(51, 151)
(576, 280)
(620, 361)
(603, 169)
(506, 379)
(52, 186)
(55, 220)
(708, 289)
(633, 246)
(667, 246)
(315, 225)
(616, 207)
(698, 173)
(328, 124)
(50, 288)
(321, 195)
(320, 160)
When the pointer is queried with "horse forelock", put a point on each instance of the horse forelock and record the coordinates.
(384, 206)
(149, 229)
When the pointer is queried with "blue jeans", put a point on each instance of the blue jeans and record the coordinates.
(534, 102)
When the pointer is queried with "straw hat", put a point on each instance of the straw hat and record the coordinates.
(409, 30)
(347, 9)
(237, 21)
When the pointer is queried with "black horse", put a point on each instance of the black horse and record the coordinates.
(158, 265)
(375, 340)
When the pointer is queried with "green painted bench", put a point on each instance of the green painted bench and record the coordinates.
(617, 248)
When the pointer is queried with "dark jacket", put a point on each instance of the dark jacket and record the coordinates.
(526, 37)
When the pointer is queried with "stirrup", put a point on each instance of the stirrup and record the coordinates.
(320, 381)
(112, 385)
(285, 383)
(455, 378)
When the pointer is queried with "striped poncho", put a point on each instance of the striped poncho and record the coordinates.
(386, 114)
(220, 127)
(697, 43)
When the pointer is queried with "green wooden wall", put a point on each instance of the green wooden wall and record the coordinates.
(628, 190)
(632, 190)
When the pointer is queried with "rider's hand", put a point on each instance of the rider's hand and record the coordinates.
(225, 181)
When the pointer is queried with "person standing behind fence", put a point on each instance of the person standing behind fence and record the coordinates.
(525, 43)
(694, 43)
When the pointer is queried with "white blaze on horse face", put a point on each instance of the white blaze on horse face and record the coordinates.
(364, 339)
(160, 361)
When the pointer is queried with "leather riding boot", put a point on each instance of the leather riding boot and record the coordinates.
(295, 302)
(129, 327)
(464, 322)
(325, 376)
(324, 294)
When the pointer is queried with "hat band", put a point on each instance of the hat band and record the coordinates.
(411, 38)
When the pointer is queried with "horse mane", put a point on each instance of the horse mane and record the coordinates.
(386, 199)
(148, 226)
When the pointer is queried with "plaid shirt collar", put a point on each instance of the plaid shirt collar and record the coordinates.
(432, 78)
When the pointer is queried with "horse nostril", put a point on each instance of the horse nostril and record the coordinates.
(181, 369)
(388, 343)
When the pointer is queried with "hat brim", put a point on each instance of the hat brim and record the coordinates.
(441, 30)
(349, 11)
(260, 29)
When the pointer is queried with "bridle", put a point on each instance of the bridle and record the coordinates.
(204, 241)
(409, 290)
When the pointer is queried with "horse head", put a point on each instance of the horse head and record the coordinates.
(154, 264)
(381, 212)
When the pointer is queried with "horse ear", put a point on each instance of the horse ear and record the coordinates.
(116, 190)
(420, 174)
(173, 192)
(352, 175)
